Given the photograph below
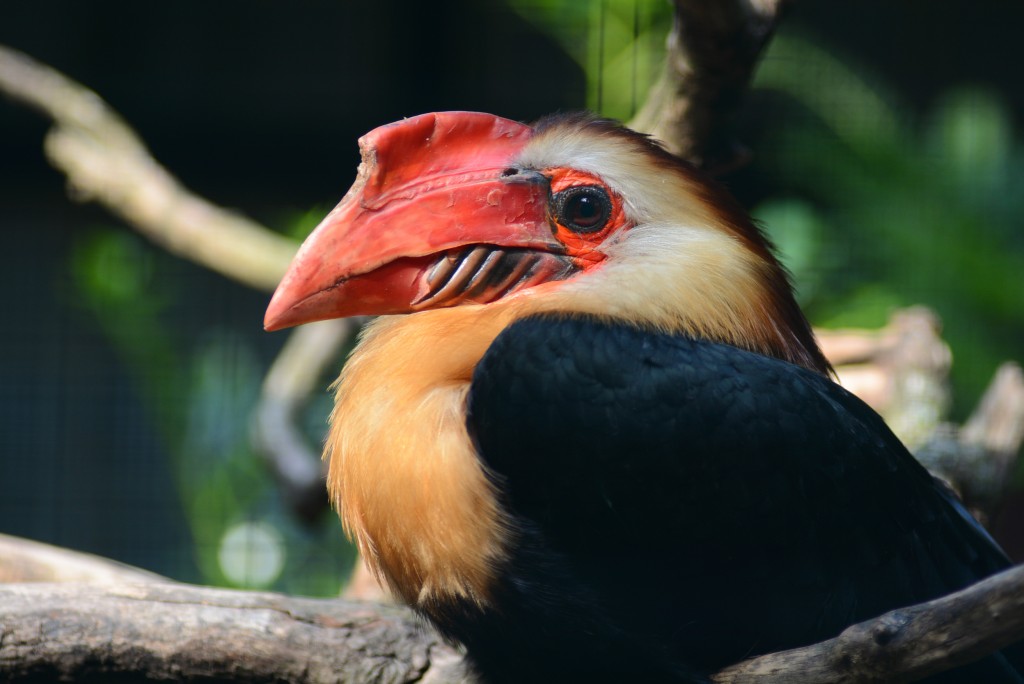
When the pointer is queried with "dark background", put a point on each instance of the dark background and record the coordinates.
(256, 105)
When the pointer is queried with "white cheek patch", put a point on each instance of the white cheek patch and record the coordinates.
(646, 189)
(671, 273)
(674, 244)
(680, 266)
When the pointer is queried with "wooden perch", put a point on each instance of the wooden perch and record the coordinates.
(176, 632)
(77, 617)
(132, 623)
(905, 644)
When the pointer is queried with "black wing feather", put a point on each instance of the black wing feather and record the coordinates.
(692, 504)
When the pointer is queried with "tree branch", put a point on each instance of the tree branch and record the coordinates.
(86, 617)
(296, 374)
(82, 632)
(902, 645)
(137, 624)
(22, 560)
(105, 161)
(712, 50)
(901, 370)
(978, 457)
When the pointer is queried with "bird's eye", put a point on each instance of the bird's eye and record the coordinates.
(583, 208)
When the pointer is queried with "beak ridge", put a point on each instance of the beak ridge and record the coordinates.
(428, 184)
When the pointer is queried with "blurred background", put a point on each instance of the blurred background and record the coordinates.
(888, 164)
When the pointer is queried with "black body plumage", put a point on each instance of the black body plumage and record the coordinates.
(680, 505)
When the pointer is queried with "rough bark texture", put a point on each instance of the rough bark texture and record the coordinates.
(110, 622)
(90, 633)
(903, 645)
(78, 617)
(712, 50)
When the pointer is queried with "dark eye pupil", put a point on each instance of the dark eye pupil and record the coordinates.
(583, 209)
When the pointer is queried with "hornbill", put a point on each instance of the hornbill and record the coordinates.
(593, 438)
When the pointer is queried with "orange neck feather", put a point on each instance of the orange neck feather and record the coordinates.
(403, 472)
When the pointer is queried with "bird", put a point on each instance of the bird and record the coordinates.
(590, 434)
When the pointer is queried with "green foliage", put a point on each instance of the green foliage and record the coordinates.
(873, 207)
(114, 276)
(895, 209)
(619, 44)
(299, 224)
(201, 393)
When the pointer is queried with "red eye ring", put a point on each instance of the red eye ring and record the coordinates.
(582, 208)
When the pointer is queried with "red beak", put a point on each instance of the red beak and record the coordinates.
(435, 218)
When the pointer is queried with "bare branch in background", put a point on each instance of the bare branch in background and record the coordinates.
(298, 372)
(712, 50)
(22, 560)
(901, 370)
(978, 457)
(105, 161)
